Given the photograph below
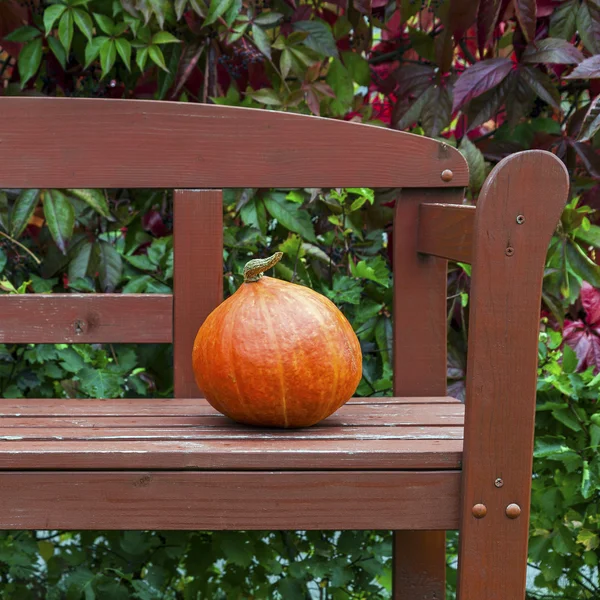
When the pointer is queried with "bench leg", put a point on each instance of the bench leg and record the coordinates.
(419, 565)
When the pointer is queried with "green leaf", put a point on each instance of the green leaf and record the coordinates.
(374, 269)
(582, 265)
(124, 50)
(108, 55)
(261, 40)
(269, 18)
(22, 211)
(4, 219)
(51, 15)
(358, 67)
(569, 359)
(98, 383)
(58, 50)
(3, 260)
(320, 37)
(291, 216)
(589, 539)
(341, 83)
(164, 37)
(79, 264)
(588, 25)
(285, 62)
(106, 24)
(476, 162)
(563, 20)
(265, 96)
(180, 6)
(157, 57)
(110, 267)
(65, 30)
(46, 549)
(216, 10)
(141, 58)
(84, 23)
(60, 218)
(29, 61)
(23, 34)
(92, 49)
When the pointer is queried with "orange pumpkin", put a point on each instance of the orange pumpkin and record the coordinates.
(276, 354)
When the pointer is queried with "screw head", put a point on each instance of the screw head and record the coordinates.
(513, 511)
(447, 175)
(79, 326)
(520, 219)
(498, 483)
(509, 251)
(479, 511)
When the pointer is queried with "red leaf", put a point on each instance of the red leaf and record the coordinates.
(461, 15)
(589, 157)
(487, 17)
(552, 50)
(526, 14)
(590, 300)
(153, 222)
(588, 69)
(480, 78)
(585, 342)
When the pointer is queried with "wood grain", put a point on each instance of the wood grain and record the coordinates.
(61, 407)
(198, 275)
(446, 230)
(502, 368)
(60, 143)
(229, 500)
(239, 454)
(86, 318)
(419, 369)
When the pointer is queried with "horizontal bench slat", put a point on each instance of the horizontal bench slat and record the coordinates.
(239, 454)
(61, 407)
(230, 500)
(86, 318)
(88, 143)
(446, 230)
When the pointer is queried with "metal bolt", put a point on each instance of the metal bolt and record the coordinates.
(498, 483)
(509, 251)
(79, 326)
(447, 175)
(513, 511)
(520, 219)
(479, 511)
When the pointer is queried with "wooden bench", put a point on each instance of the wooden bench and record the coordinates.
(396, 463)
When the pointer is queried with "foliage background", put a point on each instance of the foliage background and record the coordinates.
(490, 76)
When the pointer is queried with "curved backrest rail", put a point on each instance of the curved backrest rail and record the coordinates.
(100, 143)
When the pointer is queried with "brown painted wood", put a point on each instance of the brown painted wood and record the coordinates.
(60, 407)
(86, 318)
(229, 500)
(198, 275)
(59, 142)
(419, 369)
(198, 412)
(226, 433)
(502, 362)
(242, 454)
(446, 230)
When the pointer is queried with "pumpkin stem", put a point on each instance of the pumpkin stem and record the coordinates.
(254, 269)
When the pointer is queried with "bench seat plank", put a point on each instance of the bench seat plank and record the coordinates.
(190, 434)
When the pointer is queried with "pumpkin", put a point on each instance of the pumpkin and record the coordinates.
(276, 354)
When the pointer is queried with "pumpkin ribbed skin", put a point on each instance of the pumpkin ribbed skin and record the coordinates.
(277, 354)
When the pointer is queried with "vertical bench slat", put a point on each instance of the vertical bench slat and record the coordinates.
(420, 284)
(198, 275)
(517, 211)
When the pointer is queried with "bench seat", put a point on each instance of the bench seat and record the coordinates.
(382, 433)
